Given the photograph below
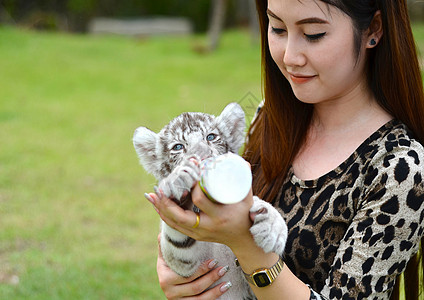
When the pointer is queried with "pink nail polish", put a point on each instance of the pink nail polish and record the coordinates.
(148, 197)
(226, 287)
(223, 271)
(212, 264)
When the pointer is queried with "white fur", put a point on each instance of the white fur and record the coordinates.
(156, 154)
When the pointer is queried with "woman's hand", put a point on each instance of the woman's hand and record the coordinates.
(196, 286)
(227, 224)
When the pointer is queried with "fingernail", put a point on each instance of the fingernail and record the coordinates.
(225, 287)
(223, 271)
(149, 198)
(212, 264)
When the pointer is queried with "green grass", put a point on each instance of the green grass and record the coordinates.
(74, 222)
(418, 30)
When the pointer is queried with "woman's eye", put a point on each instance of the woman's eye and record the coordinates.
(178, 147)
(314, 37)
(278, 30)
(211, 137)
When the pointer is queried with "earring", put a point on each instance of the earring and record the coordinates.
(373, 42)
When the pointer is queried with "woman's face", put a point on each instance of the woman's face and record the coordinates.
(313, 45)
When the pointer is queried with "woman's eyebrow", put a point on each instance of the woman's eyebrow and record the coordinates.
(271, 14)
(313, 20)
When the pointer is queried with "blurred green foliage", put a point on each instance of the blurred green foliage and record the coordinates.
(78, 12)
(74, 222)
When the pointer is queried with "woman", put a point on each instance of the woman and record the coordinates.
(336, 146)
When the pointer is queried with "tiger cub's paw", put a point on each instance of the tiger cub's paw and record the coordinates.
(269, 228)
(181, 180)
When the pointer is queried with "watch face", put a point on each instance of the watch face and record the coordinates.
(261, 279)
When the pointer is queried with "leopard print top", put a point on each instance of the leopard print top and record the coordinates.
(353, 230)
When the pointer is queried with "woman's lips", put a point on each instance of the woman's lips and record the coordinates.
(299, 79)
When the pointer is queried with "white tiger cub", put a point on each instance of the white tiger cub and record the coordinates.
(167, 155)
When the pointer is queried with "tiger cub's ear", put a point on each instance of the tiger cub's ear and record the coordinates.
(145, 142)
(232, 124)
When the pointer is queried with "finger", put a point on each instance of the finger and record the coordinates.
(173, 215)
(203, 202)
(176, 286)
(151, 200)
(160, 202)
(213, 293)
(168, 278)
(203, 269)
(163, 203)
(201, 283)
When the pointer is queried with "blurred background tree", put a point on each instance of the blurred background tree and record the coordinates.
(74, 15)
(416, 10)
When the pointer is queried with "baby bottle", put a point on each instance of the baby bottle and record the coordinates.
(225, 178)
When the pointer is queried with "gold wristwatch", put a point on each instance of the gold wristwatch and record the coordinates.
(264, 277)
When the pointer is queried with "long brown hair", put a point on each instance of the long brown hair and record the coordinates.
(393, 76)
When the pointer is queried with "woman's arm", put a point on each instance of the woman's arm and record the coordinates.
(285, 286)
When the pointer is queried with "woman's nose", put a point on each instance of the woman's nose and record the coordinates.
(294, 53)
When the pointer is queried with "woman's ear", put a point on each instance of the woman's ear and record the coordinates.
(375, 31)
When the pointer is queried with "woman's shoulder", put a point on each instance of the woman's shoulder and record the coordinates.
(393, 156)
(395, 140)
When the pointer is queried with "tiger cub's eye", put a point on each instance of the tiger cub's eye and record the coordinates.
(178, 147)
(211, 137)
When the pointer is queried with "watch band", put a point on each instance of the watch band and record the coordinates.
(264, 277)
